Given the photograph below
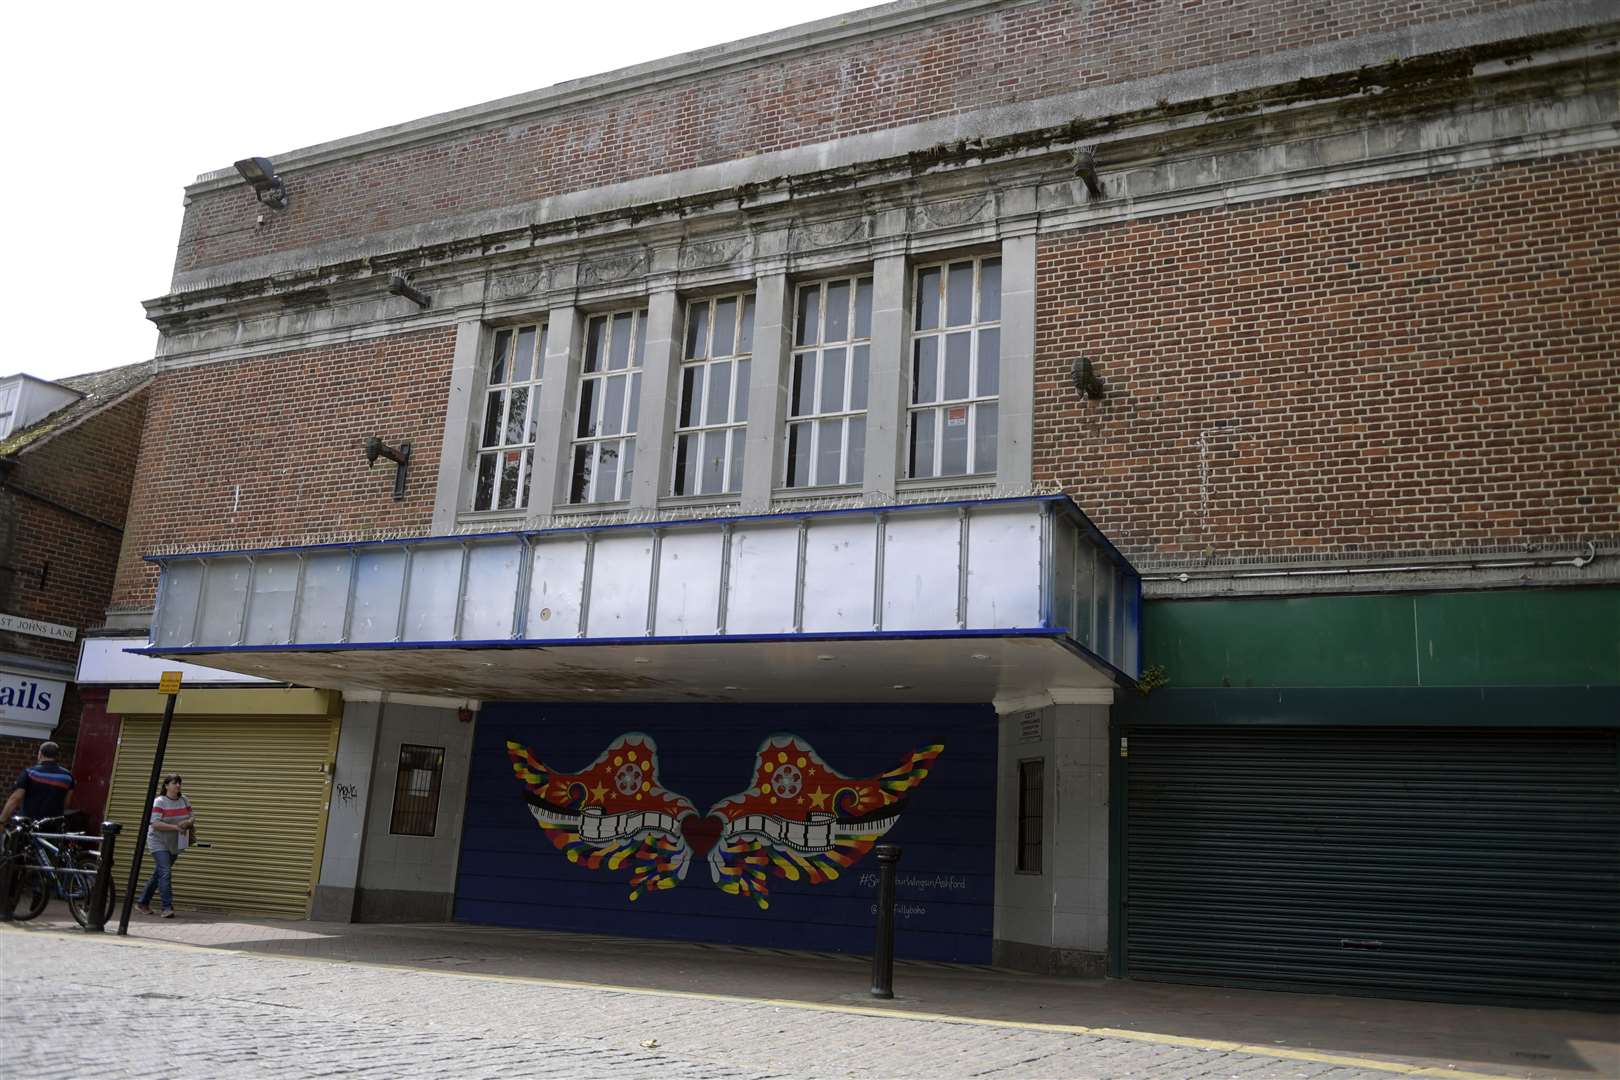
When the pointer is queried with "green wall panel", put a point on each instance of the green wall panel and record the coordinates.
(1521, 637)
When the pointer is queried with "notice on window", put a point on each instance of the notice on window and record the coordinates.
(956, 416)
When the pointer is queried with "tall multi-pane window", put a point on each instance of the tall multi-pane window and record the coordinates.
(609, 395)
(955, 369)
(511, 419)
(713, 416)
(832, 339)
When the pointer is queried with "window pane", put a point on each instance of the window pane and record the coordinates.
(990, 290)
(697, 330)
(684, 474)
(691, 394)
(540, 352)
(925, 371)
(958, 372)
(607, 471)
(627, 469)
(641, 339)
(528, 474)
(798, 455)
(863, 308)
(858, 377)
(837, 312)
(953, 440)
(613, 406)
(985, 421)
(719, 393)
(922, 443)
(619, 342)
(832, 381)
(829, 450)
(734, 482)
(714, 461)
(593, 343)
(484, 496)
(989, 362)
(523, 360)
(809, 320)
(804, 385)
(633, 416)
(855, 471)
(928, 298)
(497, 363)
(579, 487)
(492, 417)
(516, 415)
(587, 407)
(509, 476)
(959, 294)
(745, 331)
(743, 367)
(725, 327)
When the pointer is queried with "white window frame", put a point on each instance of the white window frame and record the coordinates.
(971, 406)
(590, 421)
(815, 350)
(510, 488)
(696, 425)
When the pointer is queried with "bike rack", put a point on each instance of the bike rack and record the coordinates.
(101, 876)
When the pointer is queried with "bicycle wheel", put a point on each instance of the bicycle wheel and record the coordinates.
(31, 888)
(79, 890)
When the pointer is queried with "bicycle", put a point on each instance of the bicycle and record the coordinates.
(68, 870)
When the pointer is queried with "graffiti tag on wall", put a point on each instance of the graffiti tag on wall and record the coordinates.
(799, 820)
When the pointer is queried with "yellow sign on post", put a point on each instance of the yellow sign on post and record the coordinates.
(169, 682)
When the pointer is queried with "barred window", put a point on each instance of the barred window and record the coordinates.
(826, 430)
(511, 419)
(713, 416)
(955, 369)
(609, 395)
(416, 790)
(1031, 826)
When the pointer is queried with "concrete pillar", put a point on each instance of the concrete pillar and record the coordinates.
(337, 892)
(1015, 455)
(457, 454)
(655, 420)
(888, 386)
(767, 390)
(558, 400)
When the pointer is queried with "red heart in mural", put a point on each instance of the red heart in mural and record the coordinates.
(701, 833)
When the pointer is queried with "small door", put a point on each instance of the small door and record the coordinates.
(259, 787)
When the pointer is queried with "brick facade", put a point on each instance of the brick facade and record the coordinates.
(269, 451)
(1415, 366)
(1013, 53)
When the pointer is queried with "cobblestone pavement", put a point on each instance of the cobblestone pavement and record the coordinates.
(105, 1007)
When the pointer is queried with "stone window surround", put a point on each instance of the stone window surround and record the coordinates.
(665, 299)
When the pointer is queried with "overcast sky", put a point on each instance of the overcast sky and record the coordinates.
(112, 108)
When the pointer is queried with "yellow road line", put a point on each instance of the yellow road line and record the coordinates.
(1186, 1041)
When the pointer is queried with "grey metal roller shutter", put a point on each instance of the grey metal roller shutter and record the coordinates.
(1456, 864)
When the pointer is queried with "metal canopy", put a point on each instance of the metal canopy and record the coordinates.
(1023, 594)
(864, 669)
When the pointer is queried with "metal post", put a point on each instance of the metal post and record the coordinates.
(103, 880)
(883, 951)
(146, 816)
(10, 865)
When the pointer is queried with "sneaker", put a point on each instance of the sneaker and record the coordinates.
(168, 913)
(143, 909)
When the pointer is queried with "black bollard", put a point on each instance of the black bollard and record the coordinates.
(883, 952)
(10, 865)
(103, 878)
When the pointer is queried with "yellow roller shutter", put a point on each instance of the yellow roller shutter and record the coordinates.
(259, 786)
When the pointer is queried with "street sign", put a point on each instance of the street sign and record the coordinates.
(169, 682)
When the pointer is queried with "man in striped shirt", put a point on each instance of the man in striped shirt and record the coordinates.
(43, 788)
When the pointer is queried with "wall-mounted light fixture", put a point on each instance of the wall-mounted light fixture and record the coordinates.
(376, 448)
(267, 185)
(400, 285)
(1085, 168)
(1085, 378)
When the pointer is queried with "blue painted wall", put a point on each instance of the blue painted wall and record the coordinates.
(511, 875)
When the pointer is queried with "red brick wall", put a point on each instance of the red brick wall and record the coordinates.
(1413, 366)
(1015, 53)
(269, 450)
(15, 756)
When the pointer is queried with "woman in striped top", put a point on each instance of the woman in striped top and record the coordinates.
(171, 819)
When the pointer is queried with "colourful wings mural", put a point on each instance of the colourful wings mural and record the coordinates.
(800, 819)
